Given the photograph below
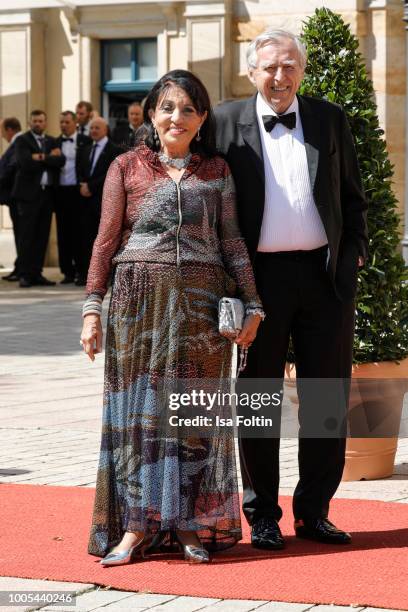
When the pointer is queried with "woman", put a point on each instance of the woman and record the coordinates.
(169, 227)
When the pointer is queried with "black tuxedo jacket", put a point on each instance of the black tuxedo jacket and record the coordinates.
(82, 140)
(30, 171)
(97, 178)
(334, 177)
(8, 168)
(124, 136)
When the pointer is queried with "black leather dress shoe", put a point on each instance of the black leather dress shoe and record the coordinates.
(43, 282)
(266, 534)
(13, 276)
(80, 281)
(25, 282)
(321, 530)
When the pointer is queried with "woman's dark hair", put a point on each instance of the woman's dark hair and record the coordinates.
(198, 95)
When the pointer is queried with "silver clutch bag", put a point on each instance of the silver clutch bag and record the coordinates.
(231, 315)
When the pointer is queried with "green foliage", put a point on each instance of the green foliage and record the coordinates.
(336, 72)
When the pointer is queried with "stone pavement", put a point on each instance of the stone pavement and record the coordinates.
(50, 407)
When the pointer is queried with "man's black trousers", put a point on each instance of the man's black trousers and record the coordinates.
(300, 303)
(89, 218)
(34, 230)
(68, 228)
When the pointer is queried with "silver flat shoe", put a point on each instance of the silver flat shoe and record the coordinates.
(195, 554)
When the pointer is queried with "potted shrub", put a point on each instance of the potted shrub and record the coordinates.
(336, 72)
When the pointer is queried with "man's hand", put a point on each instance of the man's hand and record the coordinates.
(84, 190)
(92, 335)
(38, 156)
(56, 151)
(249, 331)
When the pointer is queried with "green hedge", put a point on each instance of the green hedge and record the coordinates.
(336, 72)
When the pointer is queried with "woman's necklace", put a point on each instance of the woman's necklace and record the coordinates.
(175, 162)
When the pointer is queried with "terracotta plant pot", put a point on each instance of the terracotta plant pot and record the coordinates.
(381, 388)
(376, 402)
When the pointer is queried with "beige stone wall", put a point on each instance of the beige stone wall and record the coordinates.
(14, 84)
(387, 61)
(15, 91)
(62, 67)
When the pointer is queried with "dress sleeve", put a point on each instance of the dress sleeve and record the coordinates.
(233, 247)
(108, 239)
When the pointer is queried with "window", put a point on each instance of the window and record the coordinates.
(129, 65)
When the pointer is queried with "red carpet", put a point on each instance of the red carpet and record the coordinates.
(44, 531)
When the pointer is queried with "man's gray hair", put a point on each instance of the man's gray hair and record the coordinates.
(271, 37)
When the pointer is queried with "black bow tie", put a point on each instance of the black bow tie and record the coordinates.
(67, 140)
(270, 121)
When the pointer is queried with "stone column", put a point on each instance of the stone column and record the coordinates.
(208, 25)
(405, 239)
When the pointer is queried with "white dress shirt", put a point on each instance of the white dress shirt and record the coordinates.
(84, 129)
(68, 175)
(100, 145)
(41, 141)
(291, 221)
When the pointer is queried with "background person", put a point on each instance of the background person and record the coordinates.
(67, 200)
(169, 227)
(38, 162)
(10, 131)
(124, 134)
(93, 163)
(84, 115)
(302, 211)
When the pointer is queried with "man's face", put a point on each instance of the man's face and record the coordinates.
(67, 125)
(135, 116)
(38, 123)
(82, 114)
(278, 74)
(98, 129)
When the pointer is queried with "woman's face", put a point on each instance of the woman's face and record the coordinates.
(176, 119)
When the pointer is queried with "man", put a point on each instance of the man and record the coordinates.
(10, 131)
(84, 111)
(303, 215)
(124, 135)
(93, 164)
(38, 162)
(67, 197)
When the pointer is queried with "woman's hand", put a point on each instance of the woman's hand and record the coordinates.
(91, 335)
(249, 330)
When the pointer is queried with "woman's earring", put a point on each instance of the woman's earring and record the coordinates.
(156, 136)
(198, 137)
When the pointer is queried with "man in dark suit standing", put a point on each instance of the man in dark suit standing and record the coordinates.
(84, 111)
(93, 164)
(302, 212)
(67, 201)
(10, 130)
(38, 163)
(124, 134)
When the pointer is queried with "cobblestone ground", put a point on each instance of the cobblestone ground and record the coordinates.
(50, 408)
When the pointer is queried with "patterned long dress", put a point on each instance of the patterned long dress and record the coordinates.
(175, 250)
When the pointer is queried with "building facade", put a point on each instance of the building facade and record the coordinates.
(56, 52)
